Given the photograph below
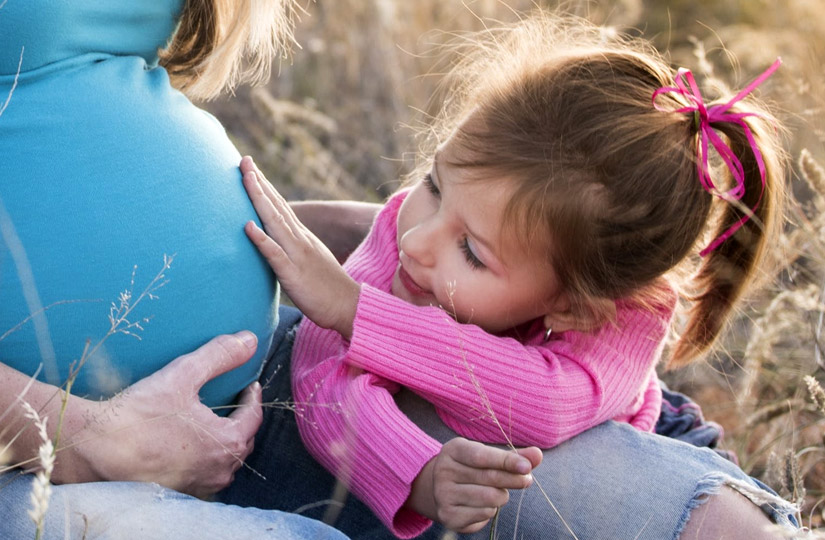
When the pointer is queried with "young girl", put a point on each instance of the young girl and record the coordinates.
(519, 284)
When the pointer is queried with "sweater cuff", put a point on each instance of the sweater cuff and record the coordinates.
(393, 476)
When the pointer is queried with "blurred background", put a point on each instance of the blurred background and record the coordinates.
(335, 123)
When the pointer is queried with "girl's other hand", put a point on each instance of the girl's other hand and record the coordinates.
(309, 273)
(464, 485)
(157, 430)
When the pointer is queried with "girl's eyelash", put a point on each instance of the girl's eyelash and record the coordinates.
(474, 262)
(430, 185)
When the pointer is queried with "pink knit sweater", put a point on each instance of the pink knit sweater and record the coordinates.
(485, 387)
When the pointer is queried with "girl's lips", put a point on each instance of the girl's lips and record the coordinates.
(409, 283)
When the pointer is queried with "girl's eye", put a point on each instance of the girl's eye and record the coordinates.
(472, 259)
(430, 185)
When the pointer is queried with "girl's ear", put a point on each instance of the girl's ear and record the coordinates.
(561, 320)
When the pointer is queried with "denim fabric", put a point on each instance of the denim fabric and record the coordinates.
(612, 481)
(137, 511)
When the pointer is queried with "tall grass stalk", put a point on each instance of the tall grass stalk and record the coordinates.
(41, 487)
(121, 321)
(488, 407)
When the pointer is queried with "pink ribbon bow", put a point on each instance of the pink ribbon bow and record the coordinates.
(686, 86)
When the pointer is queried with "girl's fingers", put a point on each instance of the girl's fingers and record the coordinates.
(480, 456)
(477, 497)
(275, 213)
(263, 205)
(255, 180)
(493, 478)
(276, 218)
(533, 454)
(274, 196)
(466, 519)
(269, 248)
(283, 207)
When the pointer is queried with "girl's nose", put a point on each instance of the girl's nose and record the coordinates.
(420, 243)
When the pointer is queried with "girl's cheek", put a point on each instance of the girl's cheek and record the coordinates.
(452, 293)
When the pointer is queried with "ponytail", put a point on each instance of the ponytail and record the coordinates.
(733, 265)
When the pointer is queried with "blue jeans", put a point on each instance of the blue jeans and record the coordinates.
(131, 510)
(609, 482)
(612, 481)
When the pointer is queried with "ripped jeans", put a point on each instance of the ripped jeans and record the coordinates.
(610, 482)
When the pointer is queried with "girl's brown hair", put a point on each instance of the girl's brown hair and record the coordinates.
(222, 43)
(564, 110)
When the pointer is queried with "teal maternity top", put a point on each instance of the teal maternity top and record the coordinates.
(105, 170)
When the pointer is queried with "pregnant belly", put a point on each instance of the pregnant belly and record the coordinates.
(106, 174)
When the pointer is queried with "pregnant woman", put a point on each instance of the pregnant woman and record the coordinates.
(120, 251)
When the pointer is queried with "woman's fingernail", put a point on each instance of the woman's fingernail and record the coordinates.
(248, 339)
(523, 466)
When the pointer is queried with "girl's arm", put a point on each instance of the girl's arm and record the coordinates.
(350, 423)
(157, 430)
(496, 389)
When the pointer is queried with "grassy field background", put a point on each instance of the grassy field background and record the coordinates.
(334, 123)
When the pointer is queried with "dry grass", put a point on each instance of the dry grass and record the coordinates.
(333, 124)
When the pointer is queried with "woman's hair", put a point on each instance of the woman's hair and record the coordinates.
(563, 109)
(222, 43)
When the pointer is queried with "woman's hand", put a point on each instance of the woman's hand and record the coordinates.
(157, 430)
(464, 485)
(309, 273)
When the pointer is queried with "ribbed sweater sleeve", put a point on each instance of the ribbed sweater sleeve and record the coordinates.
(347, 417)
(487, 387)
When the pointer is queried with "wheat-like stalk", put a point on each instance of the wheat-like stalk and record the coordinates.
(816, 392)
(41, 487)
(487, 405)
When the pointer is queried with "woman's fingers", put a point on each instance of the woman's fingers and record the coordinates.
(248, 416)
(219, 355)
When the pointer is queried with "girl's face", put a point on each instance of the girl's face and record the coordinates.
(455, 254)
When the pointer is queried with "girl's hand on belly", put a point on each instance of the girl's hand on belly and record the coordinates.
(157, 430)
(307, 270)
